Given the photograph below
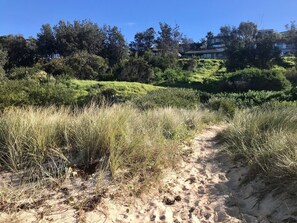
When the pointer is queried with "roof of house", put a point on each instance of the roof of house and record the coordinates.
(205, 51)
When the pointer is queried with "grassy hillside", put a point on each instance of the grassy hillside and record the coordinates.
(207, 69)
(122, 89)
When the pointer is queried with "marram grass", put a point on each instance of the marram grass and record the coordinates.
(45, 141)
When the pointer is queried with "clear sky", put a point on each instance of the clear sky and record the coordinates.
(195, 17)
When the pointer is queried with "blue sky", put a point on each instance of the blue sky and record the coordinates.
(195, 17)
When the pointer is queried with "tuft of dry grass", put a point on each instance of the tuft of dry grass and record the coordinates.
(43, 142)
(266, 138)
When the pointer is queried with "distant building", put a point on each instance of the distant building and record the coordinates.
(213, 51)
(286, 48)
(206, 54)
(216, 49)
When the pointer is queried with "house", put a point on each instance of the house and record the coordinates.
(286, 48)
(216, 48)
(213, 51)
(206, 54)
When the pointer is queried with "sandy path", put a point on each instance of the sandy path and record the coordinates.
(205, 187)
(195, 192)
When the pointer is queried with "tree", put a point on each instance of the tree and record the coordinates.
(187, 44)
(291, 37)
(79, 36)
(168, 39)
(89, 37)
(247, 47)
(3, 60)
(247, 32)
(21, 52)
(266, 52)
(143, 41)
(209, 38)
(114, 47)
(87, 66)
(136, 69)
(65, 38)
(46, 42)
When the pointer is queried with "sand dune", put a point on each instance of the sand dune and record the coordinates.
(204, 187)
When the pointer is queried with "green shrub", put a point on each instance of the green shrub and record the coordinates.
(174, 97)
(171, 76)
(87, 66)
(255, 79)
(288, 62)
(57, 67)
(161, 61)
(136, 70)
(22, 72)
(35, 92)
(291, 75)
(190, 65)
(254, 98)
(225, 106)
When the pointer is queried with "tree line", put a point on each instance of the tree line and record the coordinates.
(87, 51)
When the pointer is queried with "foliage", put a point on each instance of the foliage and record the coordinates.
(143, 41)
(175, 97)
(136, 70)
(115, 48)
(254, 79)
(161, 61)
(190, 65)
(170, 76)
(87, 66)
(168, 39)
(46, 42)
(20, 52)
(254, 98)
(35, 92)
(79, 36)
(223, 105)
(288, 62)
(122, 91)
(246, 47)
(23, 73)
(291, 75)
(3, 60)
(57, 67)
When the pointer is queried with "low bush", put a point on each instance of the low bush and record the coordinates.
(223, 105)
(57, 67)
(291, 75)
(174, 97)
(254, 79)
(172, 76)
(35, 92)
(19, 73)
(136, 70)
(254, 98)
(87, 66)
